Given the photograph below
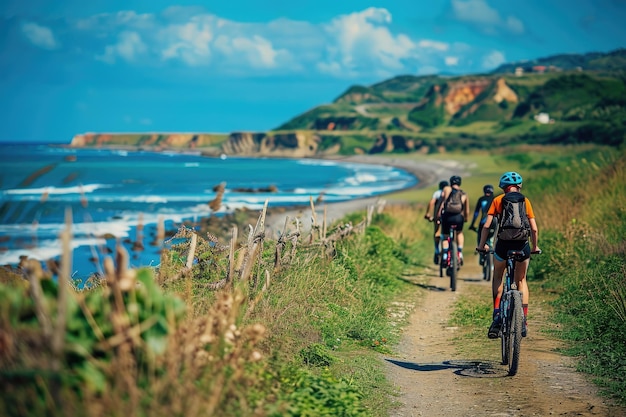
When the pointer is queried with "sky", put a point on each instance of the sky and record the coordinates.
(73, 66)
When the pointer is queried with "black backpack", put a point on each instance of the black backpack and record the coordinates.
(514, 224)
(454, 203)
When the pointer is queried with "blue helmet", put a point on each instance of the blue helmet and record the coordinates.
(443, 184)
(455, 180)
(510, 178)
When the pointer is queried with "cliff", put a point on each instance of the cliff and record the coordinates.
(295, 144)
(292, 144)
(156, 141)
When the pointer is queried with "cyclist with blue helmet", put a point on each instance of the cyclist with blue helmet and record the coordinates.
(510, 182)
(433, 206)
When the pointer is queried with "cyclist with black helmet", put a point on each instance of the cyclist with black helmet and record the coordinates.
(433, 207)
(449, 218)
(510, 182)
(482, 206)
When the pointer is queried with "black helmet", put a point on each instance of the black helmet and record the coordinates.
(455, 180)
(443, 184)
(488, 189)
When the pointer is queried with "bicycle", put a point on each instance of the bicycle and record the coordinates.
(511, 313)
(452, 259)
(440, 262)
(487, 262)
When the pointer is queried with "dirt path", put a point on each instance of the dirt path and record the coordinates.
(434, 379)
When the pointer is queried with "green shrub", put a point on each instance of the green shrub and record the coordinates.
(317, 355)
(320, 395)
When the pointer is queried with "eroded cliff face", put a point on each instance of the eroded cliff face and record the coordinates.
(297, 145)
(504, 92)
(294, 144)
(155, 141)
(462, 93)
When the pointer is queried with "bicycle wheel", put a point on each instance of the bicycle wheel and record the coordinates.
(454, 265)
(488, 266)
(515, 332)
(505, 329)
(442, 265)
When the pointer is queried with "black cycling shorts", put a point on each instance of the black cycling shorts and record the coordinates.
(446, 221)
(504, 246)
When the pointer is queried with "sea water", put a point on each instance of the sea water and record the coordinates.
(110, 192)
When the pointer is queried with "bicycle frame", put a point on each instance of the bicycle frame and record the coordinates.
(452, 264)
(511, 314)
(488, 261)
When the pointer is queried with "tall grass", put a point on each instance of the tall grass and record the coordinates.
(252, 328)
(581, 207)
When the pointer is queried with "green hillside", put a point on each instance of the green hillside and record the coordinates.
(595, 61)
(559, 99)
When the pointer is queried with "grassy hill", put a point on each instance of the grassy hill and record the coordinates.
(582, 97)
(562, 99)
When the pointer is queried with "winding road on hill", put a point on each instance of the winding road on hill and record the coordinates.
(434, 379)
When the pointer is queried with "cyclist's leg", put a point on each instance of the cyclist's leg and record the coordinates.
(481, 256)
(520, 279)
(521, 270)
(445, 231)
(460, 237)
(437, 241)
(496, 287)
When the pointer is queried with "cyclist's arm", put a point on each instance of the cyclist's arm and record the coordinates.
(476, 212)
(534, 230)
(431, 205)
(485, 235)
(466, 215)
(534, 234)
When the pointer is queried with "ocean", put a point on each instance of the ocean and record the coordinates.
(111, 192)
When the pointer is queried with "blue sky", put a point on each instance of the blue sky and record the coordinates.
(76, 66)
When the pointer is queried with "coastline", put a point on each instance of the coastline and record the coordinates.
(427, 173)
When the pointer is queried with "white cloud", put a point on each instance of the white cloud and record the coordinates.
(362, 39)
(105, 22)
(189, 41)
(487, 19)
(40, 36)
(363, 43)
(493, 60)
(428, 44)
(256, 50)
(128, 47)
(451, 61)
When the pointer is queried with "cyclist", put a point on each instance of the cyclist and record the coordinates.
(449, 218)
(482, 206)
(433, 206)
(509, 182)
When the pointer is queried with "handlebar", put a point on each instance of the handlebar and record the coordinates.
(535, 252)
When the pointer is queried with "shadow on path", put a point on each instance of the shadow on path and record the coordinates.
(470, 368)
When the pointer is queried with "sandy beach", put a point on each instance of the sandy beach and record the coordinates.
(426, 172)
